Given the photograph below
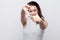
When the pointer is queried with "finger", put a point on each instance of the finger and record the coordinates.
(27, 6)
(36, 14)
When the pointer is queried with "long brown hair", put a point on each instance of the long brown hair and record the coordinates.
(38, 7)
(32, 3)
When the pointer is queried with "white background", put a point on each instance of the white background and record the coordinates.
(10, 24)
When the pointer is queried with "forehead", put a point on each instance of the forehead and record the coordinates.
(33, 7)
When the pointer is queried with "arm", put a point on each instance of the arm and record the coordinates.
(43, 24)
(23, 19)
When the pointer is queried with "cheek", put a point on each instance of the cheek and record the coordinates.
(35, 12)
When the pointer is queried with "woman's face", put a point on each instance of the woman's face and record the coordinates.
(33, 10)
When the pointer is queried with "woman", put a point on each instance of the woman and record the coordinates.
(34, 24)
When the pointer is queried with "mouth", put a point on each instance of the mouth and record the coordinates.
(32, 14)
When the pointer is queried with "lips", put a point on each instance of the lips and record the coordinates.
(32, 14)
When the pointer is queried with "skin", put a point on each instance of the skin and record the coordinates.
(34, 16)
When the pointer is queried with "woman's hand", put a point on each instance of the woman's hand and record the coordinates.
(36, 18)
(43, 24)
(26, 8)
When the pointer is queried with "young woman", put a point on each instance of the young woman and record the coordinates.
(34, 23)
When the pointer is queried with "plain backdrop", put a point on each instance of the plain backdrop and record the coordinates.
(10, 23)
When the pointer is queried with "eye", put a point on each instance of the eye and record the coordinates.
(34, 10)
(30, 11)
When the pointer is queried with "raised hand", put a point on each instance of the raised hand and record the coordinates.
(36, 18)
(26, 8)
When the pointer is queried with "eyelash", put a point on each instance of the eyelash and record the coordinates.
(30, 11)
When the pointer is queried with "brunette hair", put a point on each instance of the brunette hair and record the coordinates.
(38, 7)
